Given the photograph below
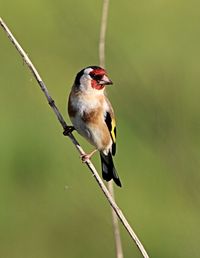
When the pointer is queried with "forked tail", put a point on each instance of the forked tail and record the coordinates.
(108, 169)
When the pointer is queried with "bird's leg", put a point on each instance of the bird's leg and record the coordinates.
(68, 130)
(85, 157)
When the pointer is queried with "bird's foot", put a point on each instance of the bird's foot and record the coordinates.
(68, 130)
(86, 157)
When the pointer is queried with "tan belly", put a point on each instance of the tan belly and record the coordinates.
(98, 136)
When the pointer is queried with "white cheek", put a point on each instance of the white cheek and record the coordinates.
(85, 83)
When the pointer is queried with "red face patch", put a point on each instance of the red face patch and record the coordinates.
(97, 71)
(97, 86)
(97, 75)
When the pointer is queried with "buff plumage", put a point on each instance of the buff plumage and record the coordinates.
(92, 116)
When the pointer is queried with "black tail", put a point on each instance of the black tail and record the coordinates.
(108, 169)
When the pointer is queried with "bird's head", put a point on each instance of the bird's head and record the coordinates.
(92, 78)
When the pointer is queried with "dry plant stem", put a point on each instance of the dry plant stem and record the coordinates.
(118, 242)
(102, 40)
(103, 28)
(74, 141)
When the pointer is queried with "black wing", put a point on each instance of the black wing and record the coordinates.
(110, 122)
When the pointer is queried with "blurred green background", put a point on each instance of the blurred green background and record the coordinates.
(50, 205)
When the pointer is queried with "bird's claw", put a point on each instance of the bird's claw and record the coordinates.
(68, 130)
(85, 157)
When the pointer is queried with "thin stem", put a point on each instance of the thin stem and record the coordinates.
(60, 118)
(102, 40)
(118, 242)
(102, 36)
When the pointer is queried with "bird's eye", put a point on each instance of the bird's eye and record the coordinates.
(96, 77)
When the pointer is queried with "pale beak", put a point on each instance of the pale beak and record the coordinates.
(105, 81)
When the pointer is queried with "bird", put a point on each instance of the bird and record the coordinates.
(92, 116)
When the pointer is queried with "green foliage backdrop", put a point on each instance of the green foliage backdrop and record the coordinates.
(50, 205)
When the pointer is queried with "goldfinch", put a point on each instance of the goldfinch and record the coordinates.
(92, 116)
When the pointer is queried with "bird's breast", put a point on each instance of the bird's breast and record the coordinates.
(87, 116)
(85, 106)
